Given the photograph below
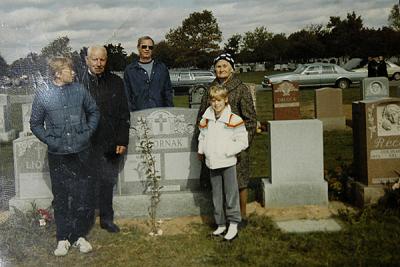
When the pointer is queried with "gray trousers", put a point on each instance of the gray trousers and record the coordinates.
(225, 190)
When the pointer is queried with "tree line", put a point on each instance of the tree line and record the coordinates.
(198, 40)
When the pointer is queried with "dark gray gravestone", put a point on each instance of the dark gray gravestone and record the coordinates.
(375, 88)
(195, 95)
(376, 146)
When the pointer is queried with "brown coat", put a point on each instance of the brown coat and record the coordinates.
(241, 103)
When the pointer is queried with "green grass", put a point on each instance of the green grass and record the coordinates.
(371, 240)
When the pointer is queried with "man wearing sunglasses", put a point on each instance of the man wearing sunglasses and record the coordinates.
(147, 81)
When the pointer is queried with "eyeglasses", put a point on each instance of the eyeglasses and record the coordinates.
(147, 46)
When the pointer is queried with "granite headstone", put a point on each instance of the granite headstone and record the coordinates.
(329, 108)
(376, 138)
(375, 88)
(6, 132)
(286, 103)
(296, 164)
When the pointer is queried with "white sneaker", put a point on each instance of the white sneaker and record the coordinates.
(232, 232)
(62, 248)
(219, 230)
(83, 245)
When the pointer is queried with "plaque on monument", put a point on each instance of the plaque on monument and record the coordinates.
(286, 103)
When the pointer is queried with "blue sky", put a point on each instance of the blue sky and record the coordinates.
(28, 25)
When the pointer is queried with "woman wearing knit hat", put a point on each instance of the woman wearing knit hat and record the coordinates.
(241, 103)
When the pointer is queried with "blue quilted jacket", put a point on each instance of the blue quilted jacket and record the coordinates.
(64, 117)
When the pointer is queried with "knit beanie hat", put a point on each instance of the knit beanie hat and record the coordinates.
(227, 57)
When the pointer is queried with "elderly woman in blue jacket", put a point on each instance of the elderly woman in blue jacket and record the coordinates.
(64, 116)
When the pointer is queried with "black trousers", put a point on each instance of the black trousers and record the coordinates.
(104, 169)
(72, 201)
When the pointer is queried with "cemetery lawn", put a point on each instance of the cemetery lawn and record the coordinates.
(367, 239)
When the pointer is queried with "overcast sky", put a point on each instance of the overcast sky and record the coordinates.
(29, 25)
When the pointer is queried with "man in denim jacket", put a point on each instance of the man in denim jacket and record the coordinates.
(64, 116)
(147, 81)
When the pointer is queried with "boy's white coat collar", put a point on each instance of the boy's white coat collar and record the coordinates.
(225, 116)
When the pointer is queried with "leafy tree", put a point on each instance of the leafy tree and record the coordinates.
(304, 45)
(28, 65)
(233, 44)
(133, 56)
(345, 35)
(165, 53)
(3, 67)
(394, 18)
(116, 57)
(58, 47)
(254, 43)
(277, 49)
(198, 34)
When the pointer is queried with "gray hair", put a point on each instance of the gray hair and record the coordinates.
(92, 47)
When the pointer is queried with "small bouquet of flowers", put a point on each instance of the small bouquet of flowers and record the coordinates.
(45, 216)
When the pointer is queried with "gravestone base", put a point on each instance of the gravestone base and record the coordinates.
(294, 194)
(172, 204)
(8, 136)
(135, 206)
(333, 123)
(366, 195)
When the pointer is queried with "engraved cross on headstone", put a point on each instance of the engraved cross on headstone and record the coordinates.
(161, 120)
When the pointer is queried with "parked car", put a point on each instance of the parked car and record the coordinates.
(392, 69)
(183, 79)
(317, 74)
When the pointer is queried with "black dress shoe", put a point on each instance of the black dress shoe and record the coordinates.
(110, 227)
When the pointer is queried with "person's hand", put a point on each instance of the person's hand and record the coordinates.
(200, 157)
(120, 150)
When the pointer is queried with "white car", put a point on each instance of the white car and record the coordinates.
(392, 69)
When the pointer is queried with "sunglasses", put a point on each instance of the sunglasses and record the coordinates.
(147, 46)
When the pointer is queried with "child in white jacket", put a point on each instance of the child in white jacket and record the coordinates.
(222, 136)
